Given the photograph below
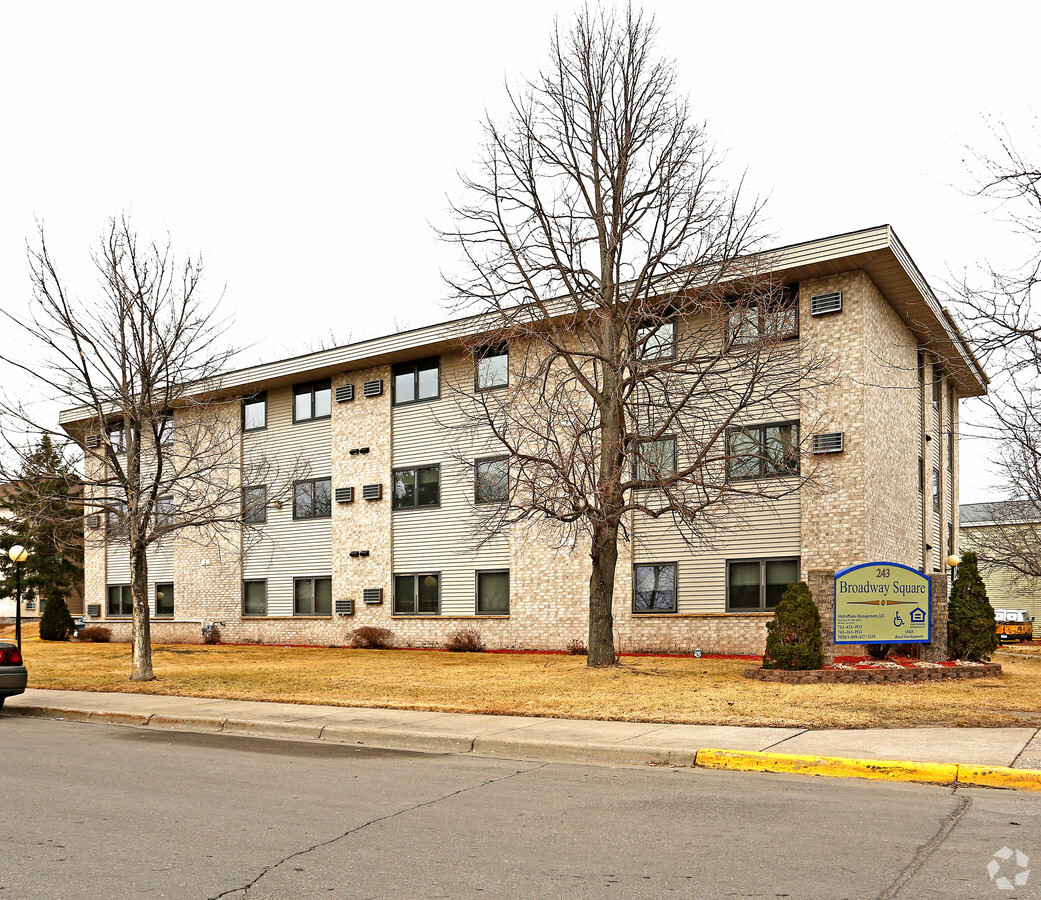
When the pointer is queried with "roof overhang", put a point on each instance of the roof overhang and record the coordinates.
(877, 251)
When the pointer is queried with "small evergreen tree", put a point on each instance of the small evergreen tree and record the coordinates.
(794, 639)
(56, 622)
(47, 521)
(971, 629)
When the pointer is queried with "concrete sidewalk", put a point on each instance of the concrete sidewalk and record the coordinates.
(514, 737)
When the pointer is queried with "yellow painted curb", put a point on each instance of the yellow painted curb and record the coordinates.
(1000, 777)
(831, 766)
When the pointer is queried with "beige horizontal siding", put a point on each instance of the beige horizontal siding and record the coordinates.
(283, 549)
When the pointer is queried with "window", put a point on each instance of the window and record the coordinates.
(937, 385)
(254, 598)
(417, 487)
(776, 319)
(254, 412)
(950, 453)
(493, 593)
(654, 588)
(313, 597)
(164, 511)
(763, 451)
(312, 499)
(117, 438)
(120, 600)
(420, 380)
(656, 341)
(921, 476)
(116, 518)
(950, 538)
(254, 504)
(164, 600)
(312, 401)
(757, 584)
(166, 429)
(491, 368)
(417, 594)
(936, 490)
(491, 480)
(656, 460)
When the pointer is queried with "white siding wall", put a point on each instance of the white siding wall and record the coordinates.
(284, 549)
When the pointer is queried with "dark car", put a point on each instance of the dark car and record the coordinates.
(13, 676)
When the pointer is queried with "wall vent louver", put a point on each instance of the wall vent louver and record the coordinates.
(94, 521)
(94, 610)
(828, 443)
(826, 303)
(372, 596)
(372, 492)
(345, 607)
(344, 393)
(93, 440)
(345, 495)
(372, 388)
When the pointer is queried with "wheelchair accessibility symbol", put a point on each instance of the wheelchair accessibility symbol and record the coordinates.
(897, 621)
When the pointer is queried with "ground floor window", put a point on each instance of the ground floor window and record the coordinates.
(418, 594)
(756, 585)
(654, 588)
(120, 600)
(313, 597)
(164, 599)
(493, 593)
(254, 598)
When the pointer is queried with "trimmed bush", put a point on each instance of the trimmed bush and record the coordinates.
(465, 640)
(793, 639)
(370, 638)
(56, 622)
(95, 634)
(576, 647)
(971, 629)
(212, 636)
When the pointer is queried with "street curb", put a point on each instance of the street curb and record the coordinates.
(955, 774)
(517, 747)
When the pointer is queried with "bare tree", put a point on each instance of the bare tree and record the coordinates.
(997, 303)
(157, 449)
(605, 250)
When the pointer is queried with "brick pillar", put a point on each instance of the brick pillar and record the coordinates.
(936, 649)
(822, 586)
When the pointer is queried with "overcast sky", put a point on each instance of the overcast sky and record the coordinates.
(305, 149)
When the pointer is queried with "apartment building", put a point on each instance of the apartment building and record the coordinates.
(378, 533)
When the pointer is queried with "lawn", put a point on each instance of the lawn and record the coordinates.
(641, 689)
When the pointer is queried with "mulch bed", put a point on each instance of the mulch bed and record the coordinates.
(861, 670)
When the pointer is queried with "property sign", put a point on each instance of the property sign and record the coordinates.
(882, 603)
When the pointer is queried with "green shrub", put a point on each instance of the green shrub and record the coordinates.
(56, 622)
(793, 639)
(971, 630)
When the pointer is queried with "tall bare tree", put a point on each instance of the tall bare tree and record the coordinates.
(606, 251)
(998, 304)
(139, 357)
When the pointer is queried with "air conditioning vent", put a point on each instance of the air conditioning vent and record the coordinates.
(372, 596)
(373, 388)
(345, 607)
(93, 440)
(826, 303)
(94, 609)
(344, 393)
(345, 495)
(94, 521)
(372, 492)
(828, 443)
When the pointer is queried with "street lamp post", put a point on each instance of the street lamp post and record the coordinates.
(953, 561)
(18, 555)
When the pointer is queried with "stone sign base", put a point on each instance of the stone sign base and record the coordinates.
(872, 676)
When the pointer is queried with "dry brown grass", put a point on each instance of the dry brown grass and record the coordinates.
(640, 689)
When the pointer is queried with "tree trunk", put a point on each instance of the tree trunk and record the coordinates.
(141, 653)
(604, 554)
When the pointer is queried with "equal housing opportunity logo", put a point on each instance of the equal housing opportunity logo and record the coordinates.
(1008, 869)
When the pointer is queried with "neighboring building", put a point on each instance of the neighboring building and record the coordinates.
(884, 445)
(1019, 522)
(7, 604)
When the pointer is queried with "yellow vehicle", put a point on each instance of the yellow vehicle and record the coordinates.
(1014, 625)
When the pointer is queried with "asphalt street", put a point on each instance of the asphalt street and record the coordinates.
(97, 811)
